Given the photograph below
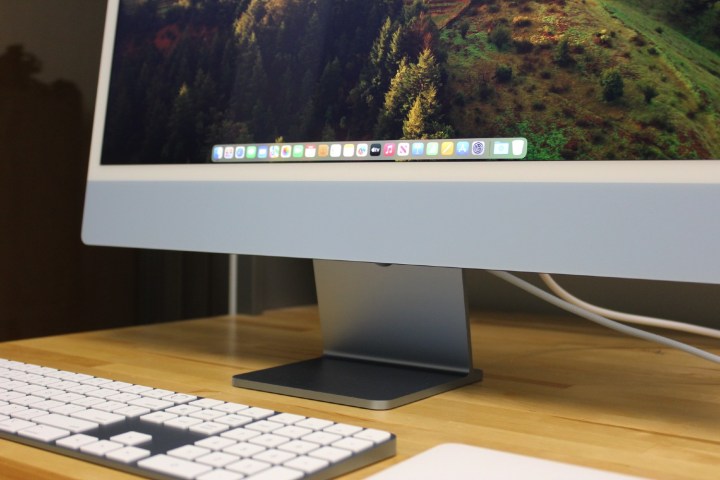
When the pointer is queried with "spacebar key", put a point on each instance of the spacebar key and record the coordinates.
(174, 466)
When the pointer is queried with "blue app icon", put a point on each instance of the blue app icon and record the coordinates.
(462, 148)
(418, 148)
(217, 153)
(263, 151)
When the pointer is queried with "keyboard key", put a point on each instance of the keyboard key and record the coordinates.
(132, 411)
(179, 398)
(44, 433)
(220, 475)
(67, 409)
(174, 466)
(207, 414)
(101, 447)
(264, 426)
(343, 429)
(234, 421)
(286, 418)
(314, 423)
(279, 473)
(183, 423)
(230, 407)
(207, 403)
(331, 454)
(217, 459)
(75, 425)
(307, 464)
(215, 443)
(98, 416)
(128, 454)
(132, 438)
(209, 428)
(74, 442)
(151, 403)
(299, 447)
(323, 438)
(257, 413)
(248, 466)
(188, 452)
(269, 440)
(245, 449)
(158, 417)
(14, 425)
(240, 434)
(29, 413)
(157, 393)
(375, 436)
(355, 445)
(183, 409)
(276, 457)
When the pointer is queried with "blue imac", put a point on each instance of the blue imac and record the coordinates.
(397, 143)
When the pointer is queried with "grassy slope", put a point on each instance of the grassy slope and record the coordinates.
(561, 107)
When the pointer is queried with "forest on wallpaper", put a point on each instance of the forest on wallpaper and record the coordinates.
(586, 79)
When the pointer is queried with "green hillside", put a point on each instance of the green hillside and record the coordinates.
(536, 68)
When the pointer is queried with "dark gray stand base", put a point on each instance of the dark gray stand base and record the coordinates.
(357, 383)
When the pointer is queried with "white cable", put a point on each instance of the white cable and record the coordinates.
(593, 317)
(627, 317)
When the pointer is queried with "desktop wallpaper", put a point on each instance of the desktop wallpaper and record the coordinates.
(580, 80)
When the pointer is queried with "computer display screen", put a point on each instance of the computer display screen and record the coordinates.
(203, 81)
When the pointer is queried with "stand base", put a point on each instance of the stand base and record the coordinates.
(357, 383)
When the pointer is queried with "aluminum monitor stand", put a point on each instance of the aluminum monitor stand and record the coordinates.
(392, 335)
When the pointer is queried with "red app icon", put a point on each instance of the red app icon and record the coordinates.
(389, 149)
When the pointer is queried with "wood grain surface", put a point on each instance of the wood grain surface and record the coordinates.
(555, 388)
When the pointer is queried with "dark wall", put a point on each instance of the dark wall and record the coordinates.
(49, 281)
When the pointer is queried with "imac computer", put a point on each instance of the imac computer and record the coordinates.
(398, 143)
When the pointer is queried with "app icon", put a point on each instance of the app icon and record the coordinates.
(310, 151)
(418, 148)
(285, 151)
(274, 151)
(217, 153)
(262, 151)
(403, 149)
(323, 150)
(251, 151)
(462, 148)
(349, 150)
(239, 152)
(478, 147)
(298, 151)
(389, 149)
(362, 150)
(501, 148)
(335, 150)
(518, 147)
(229, 153)
(375, 149)
(447, 148)
(433, 148)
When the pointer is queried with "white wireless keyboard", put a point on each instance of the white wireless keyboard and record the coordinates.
(162, 434)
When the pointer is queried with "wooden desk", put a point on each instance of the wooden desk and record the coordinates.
(555, 388)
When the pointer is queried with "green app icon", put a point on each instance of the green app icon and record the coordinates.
(251, 152)
(432, 148)
(298, 151)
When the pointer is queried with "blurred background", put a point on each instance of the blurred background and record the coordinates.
(51, 283)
